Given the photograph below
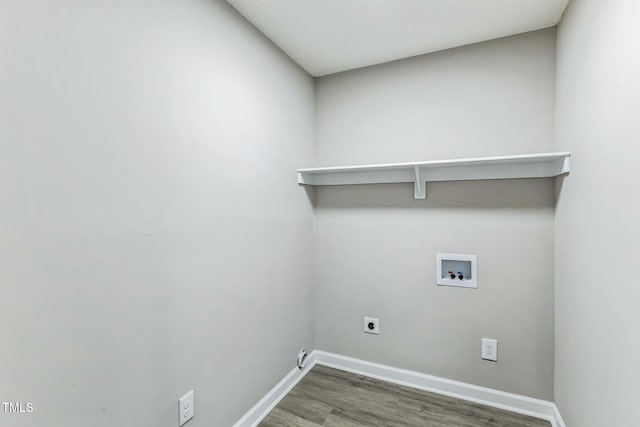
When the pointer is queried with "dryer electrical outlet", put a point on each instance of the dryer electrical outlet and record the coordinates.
(372, 325)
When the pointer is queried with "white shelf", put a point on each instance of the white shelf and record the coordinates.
(542, 165)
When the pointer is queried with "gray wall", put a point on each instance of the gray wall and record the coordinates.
(597, 380)
(152, 235)
(376, 245)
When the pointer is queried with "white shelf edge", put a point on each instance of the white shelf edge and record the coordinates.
(539, 165)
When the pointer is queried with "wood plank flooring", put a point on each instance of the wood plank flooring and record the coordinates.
(333, 398)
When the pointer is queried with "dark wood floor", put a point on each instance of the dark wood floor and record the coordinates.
(332, 398)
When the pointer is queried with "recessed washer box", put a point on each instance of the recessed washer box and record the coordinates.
(457, 270)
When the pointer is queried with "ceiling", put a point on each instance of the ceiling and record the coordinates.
(329, 36)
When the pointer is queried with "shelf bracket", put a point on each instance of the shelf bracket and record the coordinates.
(565, 166)
(420, 187)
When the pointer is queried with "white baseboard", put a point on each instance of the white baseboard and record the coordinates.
(485, 396)
(559, 422)
(261, 409)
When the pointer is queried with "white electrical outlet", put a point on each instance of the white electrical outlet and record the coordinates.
(186, 407)
(490, 349)
(371, 325)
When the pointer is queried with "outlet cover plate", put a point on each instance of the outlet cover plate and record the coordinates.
(490, 349)
(186, 408)
(376, 325)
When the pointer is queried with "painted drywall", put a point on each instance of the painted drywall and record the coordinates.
(376, 245)
(330, 36)
(153, 239)
(597, 362)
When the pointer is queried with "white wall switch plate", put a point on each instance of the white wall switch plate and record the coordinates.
(186, 407)
(490, 349)
(371, 325)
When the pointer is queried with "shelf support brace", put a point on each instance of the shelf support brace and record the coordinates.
(420, 187)
(565, 166)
